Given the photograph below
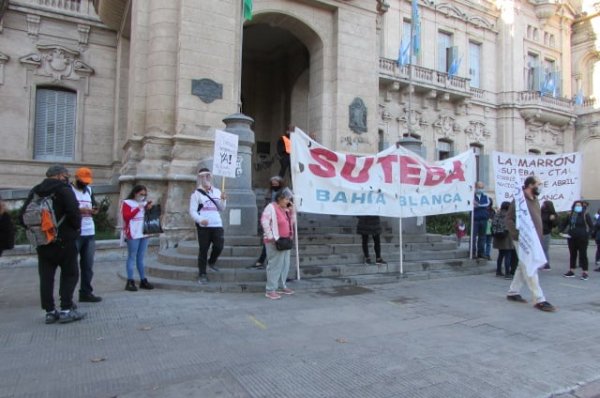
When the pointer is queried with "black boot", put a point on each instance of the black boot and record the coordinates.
(144, 284)
(130, 286)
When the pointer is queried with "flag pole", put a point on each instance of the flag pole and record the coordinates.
(297, 251)
(222, 183)
(401, 245)
(472, 238)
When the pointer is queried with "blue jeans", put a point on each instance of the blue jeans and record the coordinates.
(86, 247)
(136, 250)
(478, 238)
(488, 245)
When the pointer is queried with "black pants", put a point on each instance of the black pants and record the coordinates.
(206, 237)
(597, 251)
(514, 261)
(365, 245)
(578, 246)
(284, 163)
(64, 255)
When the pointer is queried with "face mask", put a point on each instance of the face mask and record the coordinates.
(578, 209)
(65, 180)
(140, 198)
(536, 191)
(479, 191)
(80, 185)
(275, 189)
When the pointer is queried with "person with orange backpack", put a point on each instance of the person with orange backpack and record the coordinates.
(52, 218)
(284, 149)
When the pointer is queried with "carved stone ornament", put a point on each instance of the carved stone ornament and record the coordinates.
(446, 126)
(33, 26)
(544, 136)
(413, 123)
(207, 90)
(357, 116)
(57, 62)
(477, 131)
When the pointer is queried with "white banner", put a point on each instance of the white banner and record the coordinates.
(393, 183)
(560, 175)
(530, 249)
(225, 155)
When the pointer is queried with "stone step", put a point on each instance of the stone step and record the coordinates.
(325, 285)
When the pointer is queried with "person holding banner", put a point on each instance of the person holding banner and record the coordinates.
(206, 203)
(278, 221)
(481, 215)
(527, 273)
(579, 227)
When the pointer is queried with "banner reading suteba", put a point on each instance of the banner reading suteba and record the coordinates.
(394, 183)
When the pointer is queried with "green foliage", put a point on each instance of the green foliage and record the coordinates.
(20, 237)
(444, 223)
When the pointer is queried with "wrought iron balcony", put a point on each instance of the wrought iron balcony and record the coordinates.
(427, 80)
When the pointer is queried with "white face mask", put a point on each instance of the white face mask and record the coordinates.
(140, 198)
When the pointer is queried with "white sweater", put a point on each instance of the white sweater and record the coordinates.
(209, 211)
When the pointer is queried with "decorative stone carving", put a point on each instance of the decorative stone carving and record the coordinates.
(207, 90)
(57, 62)
(446, 126)
(477, 132)
(357, 116)
(413, 123)
(3, 59)
(84, 35)
(545, 136)
(33, 26)
(385, 115)
(452, 11)
(382, 6)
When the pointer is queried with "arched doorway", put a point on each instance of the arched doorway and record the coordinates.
(282, 70)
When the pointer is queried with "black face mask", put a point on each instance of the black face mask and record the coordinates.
(80, 185)
(275, 189)
(65, 180)
(536, 191)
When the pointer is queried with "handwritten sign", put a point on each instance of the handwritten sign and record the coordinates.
(560, 174)
(225, 158)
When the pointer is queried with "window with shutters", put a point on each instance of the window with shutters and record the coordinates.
(475, 64)
(444, 46)
(533, 72)
(55, 116)
(444, 149)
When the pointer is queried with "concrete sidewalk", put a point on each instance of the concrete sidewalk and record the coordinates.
(454, 337)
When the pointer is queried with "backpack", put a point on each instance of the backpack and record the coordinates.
(499, 226)
(40, 221)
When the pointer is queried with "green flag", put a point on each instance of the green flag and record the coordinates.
(247, 10)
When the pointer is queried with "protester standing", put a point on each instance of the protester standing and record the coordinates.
(480, 220)
(549, 221)
(277, 221)
(370, 225)
(488, 231)
(579, 227)
(275, 184)
(132, 211)
(531, 190)
(86, 243)
(7, 229)
(284, 149)
(597, 238)
(62, 252)
(502, 241)
(206, 203)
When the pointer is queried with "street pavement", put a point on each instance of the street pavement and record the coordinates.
(450, 337)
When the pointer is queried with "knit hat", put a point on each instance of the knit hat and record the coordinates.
(55, 170)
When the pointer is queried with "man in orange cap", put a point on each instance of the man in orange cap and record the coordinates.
(86, 243)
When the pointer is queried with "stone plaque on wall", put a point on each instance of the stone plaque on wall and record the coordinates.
(358, 116)
(207, 90)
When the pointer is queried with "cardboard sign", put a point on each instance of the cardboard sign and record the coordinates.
(225, 156)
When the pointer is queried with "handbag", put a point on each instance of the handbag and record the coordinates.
(152, 221)
(284, 244)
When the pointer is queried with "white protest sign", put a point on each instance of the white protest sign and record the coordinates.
(225, 155)
(530, 249)
(560, 175)
(394, 183)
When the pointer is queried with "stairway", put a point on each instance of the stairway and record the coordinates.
(330, 255)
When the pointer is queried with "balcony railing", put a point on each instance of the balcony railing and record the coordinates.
(68, 7)
(425, 78)
(537, 99)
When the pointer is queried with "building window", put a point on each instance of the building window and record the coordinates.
(475, 64)
(534, 152)
(550, 79)
(444, 51)
(381, 145)
(55, 114)
(406, 41)
(533, 72)
(444, 149)
(478, 151)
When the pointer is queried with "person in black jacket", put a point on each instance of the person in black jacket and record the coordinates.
(549, 221)
(579, 227)
(284, 149)
(596, 236)
(7, 229)
(62, 252)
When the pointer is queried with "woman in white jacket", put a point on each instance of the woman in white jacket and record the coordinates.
(277, 221)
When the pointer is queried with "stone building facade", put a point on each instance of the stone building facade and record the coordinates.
(153, 79)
